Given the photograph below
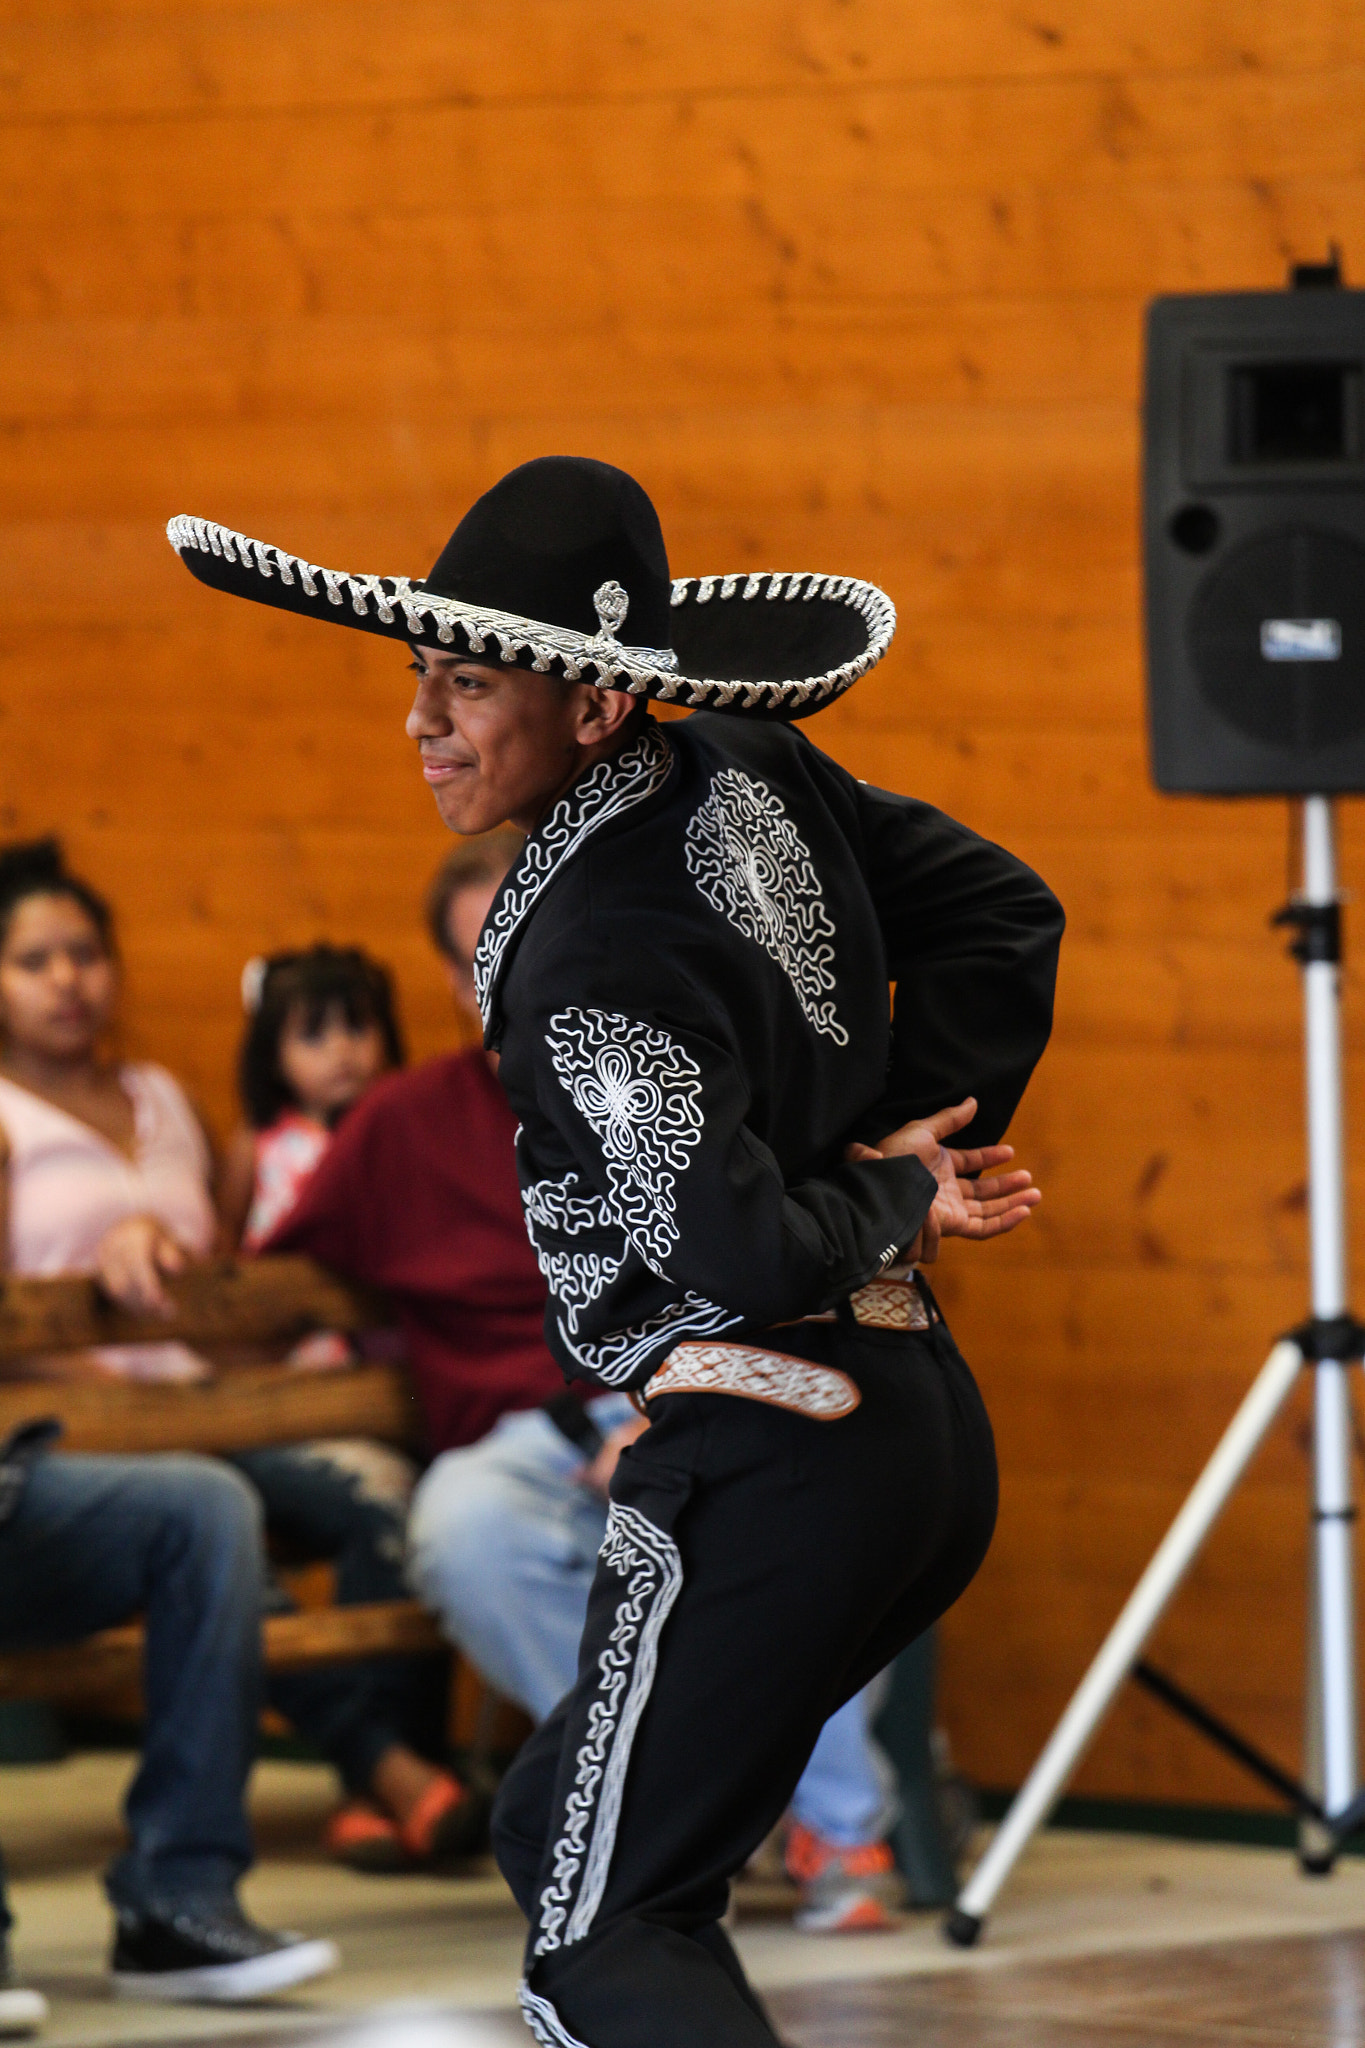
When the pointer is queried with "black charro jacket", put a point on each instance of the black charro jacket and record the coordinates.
(687, 975)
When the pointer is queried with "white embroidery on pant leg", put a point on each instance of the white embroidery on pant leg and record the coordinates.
(640, 1092)
(647, 1559)
(752, 865)
(544, 2022)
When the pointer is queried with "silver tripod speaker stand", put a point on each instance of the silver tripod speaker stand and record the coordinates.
(1329, 1806)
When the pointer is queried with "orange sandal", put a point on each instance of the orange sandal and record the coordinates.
(448, 1821)
(361, 1837)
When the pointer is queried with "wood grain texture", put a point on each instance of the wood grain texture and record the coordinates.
(247, 1301)
(848, 285)
(169, 57)
(244, 1408)
(1286, 1992)
(74, 1672)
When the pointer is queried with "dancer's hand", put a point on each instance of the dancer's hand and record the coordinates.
(974, 1208)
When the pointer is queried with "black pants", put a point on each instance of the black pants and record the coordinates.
(758, 1568)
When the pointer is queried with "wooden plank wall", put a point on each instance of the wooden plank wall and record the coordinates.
(849, 284)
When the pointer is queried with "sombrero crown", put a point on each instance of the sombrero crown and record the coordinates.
(562, 566)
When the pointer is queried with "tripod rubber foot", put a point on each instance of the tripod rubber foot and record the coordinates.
(1317, 1866)
(962, 1929)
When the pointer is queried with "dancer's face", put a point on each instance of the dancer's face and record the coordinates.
(504, 743)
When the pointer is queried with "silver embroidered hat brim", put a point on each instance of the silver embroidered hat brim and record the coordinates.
(855, 619)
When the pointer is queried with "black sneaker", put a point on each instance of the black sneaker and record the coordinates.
(218, 1957)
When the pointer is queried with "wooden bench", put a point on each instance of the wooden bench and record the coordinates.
(220, 1310)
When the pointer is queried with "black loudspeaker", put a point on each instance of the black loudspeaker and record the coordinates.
(1254, 539)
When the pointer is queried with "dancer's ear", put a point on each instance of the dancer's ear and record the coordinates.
(602, 714)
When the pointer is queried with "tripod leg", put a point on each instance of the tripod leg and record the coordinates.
(1333, 1522)
(1124, 1644)
(1317, 1850)
(1319, 952)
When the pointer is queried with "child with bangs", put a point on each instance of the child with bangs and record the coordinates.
(321, 1028)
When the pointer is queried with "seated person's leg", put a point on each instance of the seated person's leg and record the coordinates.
(502, 1544)
(198, 1533)
(21, 2011)
(93, 1542)
(841, 1813)
(346, 1501)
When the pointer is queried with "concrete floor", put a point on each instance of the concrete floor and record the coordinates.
(433, 1963)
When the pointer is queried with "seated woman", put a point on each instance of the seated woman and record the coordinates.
(94, 1155)
(105, 1168)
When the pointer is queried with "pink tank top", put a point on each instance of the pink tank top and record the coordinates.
(68, 1185)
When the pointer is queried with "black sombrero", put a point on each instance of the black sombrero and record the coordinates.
(562, 566)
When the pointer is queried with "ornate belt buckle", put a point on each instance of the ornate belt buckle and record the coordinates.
(892, 1303)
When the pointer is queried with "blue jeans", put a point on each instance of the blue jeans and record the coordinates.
(503, 1543)
(323, 1505)
(96, 1541)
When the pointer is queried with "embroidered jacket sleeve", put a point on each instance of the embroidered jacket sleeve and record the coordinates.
(652, 1108)
(972, 938)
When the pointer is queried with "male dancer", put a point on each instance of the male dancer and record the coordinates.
(727, 1156)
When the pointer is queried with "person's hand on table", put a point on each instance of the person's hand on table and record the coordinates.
(966, 1204)
(598, 1471)
(132, 1260)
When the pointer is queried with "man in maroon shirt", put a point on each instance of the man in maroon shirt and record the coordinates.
(418, 1195)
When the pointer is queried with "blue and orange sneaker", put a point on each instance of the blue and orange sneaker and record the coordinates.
(843, 1891)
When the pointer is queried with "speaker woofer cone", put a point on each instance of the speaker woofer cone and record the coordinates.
(1293, 587)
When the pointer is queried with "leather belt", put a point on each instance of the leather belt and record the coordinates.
(894, 1302)
(798, 1384)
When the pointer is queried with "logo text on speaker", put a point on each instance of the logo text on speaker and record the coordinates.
(1301, 639)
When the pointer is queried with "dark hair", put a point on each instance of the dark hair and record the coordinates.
(484, 857)
(319, 980)
(37, 867)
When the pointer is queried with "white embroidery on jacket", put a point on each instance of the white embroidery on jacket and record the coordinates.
(612, 786)
(544, 2022)
(617, 1358)
(575, 1277)
(752, 865)
(640, 1091)
(647, 1559)
(567, 1206)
